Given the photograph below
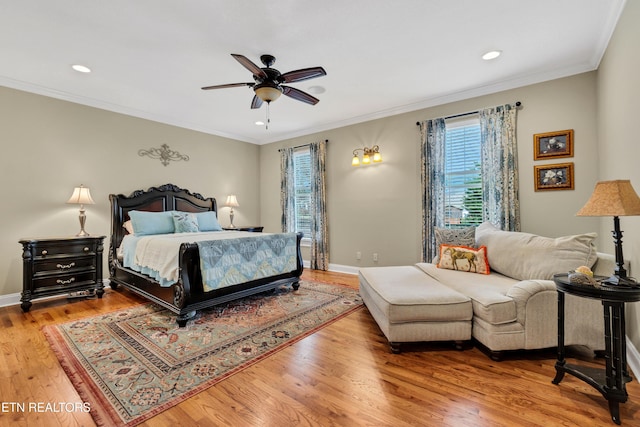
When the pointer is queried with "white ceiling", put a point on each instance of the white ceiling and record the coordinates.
(151, 57)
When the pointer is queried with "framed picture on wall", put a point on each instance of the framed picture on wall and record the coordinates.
(553, 177)
(553, 145)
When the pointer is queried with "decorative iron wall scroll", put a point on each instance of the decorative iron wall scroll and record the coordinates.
(164, 153)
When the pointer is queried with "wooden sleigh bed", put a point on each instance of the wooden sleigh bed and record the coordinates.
(188, 294)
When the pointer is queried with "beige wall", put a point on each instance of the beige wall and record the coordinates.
(619, 147)
(50, 146)
(377, 208)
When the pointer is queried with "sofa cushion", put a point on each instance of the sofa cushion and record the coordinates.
(405, 294)
(526, 256)
(463, 258)
(488, 293)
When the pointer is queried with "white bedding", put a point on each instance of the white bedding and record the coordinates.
(157, 255)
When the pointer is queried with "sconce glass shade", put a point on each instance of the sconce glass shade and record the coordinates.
(268, 93)
(367, 155)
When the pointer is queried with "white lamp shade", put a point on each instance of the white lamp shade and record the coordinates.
(81, 196)
(232, 201)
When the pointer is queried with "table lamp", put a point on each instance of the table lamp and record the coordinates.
(616, 199)
(81, 196)
(232, 202)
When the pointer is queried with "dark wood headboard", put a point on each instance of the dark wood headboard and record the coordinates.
(166, 197)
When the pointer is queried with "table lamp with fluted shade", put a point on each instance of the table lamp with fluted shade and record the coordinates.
(614, 198)
(81, 196)
(232, 202)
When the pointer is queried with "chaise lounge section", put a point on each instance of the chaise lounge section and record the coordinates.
(513, 307)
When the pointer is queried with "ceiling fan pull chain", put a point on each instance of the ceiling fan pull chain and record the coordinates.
(268, 117)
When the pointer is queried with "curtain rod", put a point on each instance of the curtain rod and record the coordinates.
(300, 146)
(516, 104)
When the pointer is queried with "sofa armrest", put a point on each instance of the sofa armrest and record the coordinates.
(537, 308)
(534, 296)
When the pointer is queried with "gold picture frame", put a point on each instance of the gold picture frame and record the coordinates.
(557, 176)
(553, 145)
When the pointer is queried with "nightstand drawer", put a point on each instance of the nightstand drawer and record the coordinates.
(42, 250)
(62, 281)
(63, 265)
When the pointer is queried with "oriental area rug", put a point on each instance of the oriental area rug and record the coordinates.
(132, 364)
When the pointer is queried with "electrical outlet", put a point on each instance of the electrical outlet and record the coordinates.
(358, 255)
(375, 257)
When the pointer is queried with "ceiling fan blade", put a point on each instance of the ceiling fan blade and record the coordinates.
(256, 102)
(246, 63)
(299, 95)
(302, 74)
(227, 85)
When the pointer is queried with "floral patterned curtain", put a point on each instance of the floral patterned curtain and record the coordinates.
(501, 201)
(319, 235)
(287, 191)
(432, 137)
(319, 254)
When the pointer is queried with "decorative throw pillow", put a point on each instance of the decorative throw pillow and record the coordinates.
(185, 222)
(208, 221)
(128, 226)
(455, 236)
(145, 223)
(464, 258)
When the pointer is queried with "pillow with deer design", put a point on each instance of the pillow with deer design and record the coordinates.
(464, 258)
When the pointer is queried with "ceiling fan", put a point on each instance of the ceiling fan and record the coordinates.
(268, 81)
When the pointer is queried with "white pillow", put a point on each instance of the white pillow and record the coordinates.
(525, 256)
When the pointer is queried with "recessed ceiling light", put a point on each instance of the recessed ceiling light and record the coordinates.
(491, 55)
(81, 68)
(259, 123)
(316, 90)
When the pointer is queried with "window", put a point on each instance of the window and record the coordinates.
(463, 175)
(302, 184)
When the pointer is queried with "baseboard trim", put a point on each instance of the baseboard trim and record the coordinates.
(336, 268)
(14, 299)
(11, 299)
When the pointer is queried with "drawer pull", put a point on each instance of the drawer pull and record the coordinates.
(64, 267)
(44, 253)
(65, 282)
(86, 249)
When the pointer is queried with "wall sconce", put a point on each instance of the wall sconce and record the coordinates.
(367, 154)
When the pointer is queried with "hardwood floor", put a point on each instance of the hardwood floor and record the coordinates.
(343, 375)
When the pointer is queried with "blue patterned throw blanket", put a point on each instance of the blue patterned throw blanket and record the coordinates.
(232, 261)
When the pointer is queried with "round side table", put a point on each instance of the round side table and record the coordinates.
(611, 382)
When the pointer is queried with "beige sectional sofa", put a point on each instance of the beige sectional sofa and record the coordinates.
(513, 307)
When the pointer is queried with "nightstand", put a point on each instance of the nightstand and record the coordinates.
(252, 228)
(62, 265)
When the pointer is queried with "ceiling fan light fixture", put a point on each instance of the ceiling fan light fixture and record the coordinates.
(268, 93)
